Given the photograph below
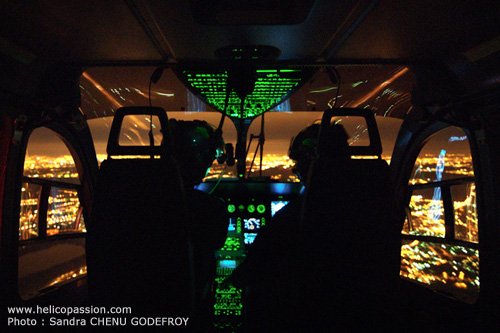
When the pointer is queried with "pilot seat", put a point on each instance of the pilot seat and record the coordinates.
(350, 238)
(138, 242)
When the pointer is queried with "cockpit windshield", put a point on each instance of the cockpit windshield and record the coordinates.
(384, 89)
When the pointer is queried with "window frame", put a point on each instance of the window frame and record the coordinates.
(43, 207)
(69, 138)
(449, 211)
(421, 138)
(48, 184)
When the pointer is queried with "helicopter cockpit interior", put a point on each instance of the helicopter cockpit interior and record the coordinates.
(415, 86)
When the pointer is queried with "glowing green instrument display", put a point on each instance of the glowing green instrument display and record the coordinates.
(272, 86)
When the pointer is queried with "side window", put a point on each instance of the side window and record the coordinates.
(51, 224)
(440, 234)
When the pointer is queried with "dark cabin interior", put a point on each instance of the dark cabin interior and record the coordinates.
(450, 49)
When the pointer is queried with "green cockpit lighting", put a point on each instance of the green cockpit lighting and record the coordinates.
(251, 208)
(272, 87)
(261, 209)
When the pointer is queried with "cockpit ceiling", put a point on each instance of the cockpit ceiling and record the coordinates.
(385, 89)
(156, 30)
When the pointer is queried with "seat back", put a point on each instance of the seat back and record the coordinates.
(138, 241)
(350, 234)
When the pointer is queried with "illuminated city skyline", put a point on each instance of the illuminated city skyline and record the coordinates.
(440, 265)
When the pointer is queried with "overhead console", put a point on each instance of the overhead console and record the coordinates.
(243, 94)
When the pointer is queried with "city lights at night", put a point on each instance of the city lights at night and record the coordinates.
(445, 267)
(250, 166)
(64, 213)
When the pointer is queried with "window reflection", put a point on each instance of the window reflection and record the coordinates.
(135, 131)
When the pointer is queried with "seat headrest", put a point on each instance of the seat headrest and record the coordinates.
(375, 147)
(114, 148)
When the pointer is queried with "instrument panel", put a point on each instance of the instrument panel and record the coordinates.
(250, 207)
